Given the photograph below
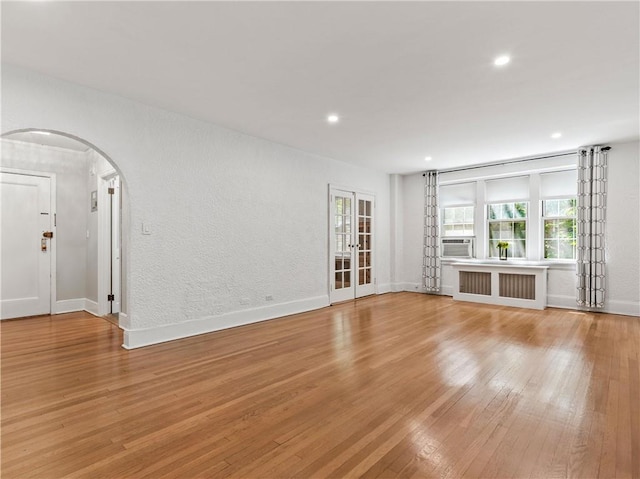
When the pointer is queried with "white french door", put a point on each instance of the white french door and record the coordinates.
(351, 233)
(27, 234)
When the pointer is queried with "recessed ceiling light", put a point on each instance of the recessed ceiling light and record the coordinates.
(501, 60)
(41, 132)
(556, 135)
(427, 158)
(333, 118)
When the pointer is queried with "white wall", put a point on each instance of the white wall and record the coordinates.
(233, 218)
(413, 231)
(71, 169)
(623, 228)
(623, 233)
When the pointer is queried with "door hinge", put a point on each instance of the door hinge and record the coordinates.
(111, 190)
(111, 297)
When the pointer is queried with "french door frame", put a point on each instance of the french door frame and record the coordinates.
(109, 204)
(355, 250)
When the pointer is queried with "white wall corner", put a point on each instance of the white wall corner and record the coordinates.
(68, 306)
(91, 307)
(137, 338)
(411, 287)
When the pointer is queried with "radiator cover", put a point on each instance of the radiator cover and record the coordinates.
(519, 285)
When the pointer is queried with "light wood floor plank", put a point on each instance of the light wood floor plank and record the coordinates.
(398, 385)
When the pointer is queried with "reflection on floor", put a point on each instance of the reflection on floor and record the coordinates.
(112, 318)
(396, 385)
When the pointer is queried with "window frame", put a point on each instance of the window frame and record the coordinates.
(473, 221)
(543, 218)
(489, 221)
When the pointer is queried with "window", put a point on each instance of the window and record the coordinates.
(559, 222)
(508, 223)
(457, 221)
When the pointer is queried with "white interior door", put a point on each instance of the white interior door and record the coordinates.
(351, 245)
(25, 258)
(343, 250)
(365, 284)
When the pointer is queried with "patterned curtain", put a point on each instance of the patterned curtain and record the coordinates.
(592, 196)
(431, 245)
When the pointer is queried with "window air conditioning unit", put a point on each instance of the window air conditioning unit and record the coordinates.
(457, 247)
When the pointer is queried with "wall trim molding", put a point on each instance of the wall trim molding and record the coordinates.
(91, 307)
(385, 288)
(123, 320)
(625, 308)
(137, 338)
(74, 305)
(68, 305)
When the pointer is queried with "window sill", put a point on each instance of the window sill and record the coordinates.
(554, 265)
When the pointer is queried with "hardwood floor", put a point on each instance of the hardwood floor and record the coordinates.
(398, 385)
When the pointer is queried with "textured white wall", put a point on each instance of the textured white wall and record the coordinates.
(71, 169)
(623, 236)
(233, 218)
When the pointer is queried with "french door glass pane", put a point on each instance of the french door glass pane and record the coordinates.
(364, 241)
(342, 246)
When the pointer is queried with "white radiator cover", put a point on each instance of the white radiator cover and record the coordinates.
(519, 285)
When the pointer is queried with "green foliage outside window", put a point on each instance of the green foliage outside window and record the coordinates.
(508, 223)
(559, 229)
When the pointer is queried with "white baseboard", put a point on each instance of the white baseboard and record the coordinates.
(446, 290)
(123, 321)
(411, 287)
(418, 288)
(384, 288)
(625, 308)
(91, 307)
(68, 306)
(561, 301)
(73, 305)
(137, 338)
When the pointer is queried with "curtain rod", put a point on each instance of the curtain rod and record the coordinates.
(485, 165)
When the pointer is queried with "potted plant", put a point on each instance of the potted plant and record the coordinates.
(502, 248)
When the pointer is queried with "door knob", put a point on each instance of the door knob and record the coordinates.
(47, 234)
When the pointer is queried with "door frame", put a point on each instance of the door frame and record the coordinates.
(53, 292)
(330, 219)
(104, 244)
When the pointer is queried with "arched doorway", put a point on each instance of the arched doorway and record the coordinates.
(64, 227)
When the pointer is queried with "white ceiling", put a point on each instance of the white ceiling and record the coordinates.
(409, 79)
